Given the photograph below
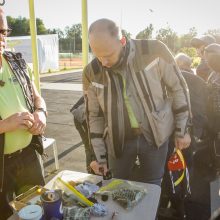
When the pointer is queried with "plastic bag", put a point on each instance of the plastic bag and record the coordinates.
(76, 213)
(70, 190)
(127, 194)
(87, 189)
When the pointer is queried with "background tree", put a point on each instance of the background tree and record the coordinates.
(57, 31)
(184, 40)
(146, 33)
(20, 26)
(73, 38)
(169, 37)
(126, 34)
(41, 29)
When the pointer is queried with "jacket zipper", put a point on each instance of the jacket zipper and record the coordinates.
(148, 90)
(146, 107)
(120, 112)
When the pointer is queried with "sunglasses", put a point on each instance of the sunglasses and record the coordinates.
(5, 32)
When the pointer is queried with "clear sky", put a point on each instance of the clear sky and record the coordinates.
(132, 15)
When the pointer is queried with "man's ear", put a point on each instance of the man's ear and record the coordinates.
(123, 41)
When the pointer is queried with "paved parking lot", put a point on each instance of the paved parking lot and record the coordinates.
(60, 92)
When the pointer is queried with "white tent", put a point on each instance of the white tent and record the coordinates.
(48, 50)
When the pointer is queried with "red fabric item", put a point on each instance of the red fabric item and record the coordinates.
(175, 163)
(123, 41)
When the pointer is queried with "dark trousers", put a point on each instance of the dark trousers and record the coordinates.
(152, 161)
(22, 171)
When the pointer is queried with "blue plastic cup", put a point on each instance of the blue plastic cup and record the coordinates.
(52, 205)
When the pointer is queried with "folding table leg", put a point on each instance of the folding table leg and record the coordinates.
(56, 155)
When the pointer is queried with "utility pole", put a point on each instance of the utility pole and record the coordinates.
(85, 45)
(34, 44)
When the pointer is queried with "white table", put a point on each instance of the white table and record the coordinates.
(145, 210)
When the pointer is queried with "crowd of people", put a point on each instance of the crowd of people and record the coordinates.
(140, 106)
(127, 85)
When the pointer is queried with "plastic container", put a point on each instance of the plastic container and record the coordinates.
(31, 212)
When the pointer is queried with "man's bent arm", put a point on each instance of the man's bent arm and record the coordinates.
(95, 120)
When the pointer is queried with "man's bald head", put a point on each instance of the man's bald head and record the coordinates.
(104, 39)
(105, 26)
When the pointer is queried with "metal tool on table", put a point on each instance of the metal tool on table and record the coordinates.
(108, 175)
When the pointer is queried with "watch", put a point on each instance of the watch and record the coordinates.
(188, 130)
(42, 110)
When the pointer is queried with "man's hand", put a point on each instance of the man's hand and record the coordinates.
(20, 120)
(182, 143)
(99, 169)
(39, 123)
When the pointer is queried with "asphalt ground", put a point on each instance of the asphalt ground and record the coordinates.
(60, 124)
(69, 77)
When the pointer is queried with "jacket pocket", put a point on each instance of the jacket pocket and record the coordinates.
(163, 122)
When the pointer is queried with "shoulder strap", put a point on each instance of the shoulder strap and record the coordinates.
(19, 68)
(2, 142)
(95, 66)
(78, 103)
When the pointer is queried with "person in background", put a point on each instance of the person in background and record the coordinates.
(200, 43)
(212, 55)
(130, 113)
(184, 62)
(198, 94)
(22, 120)
(179, 208)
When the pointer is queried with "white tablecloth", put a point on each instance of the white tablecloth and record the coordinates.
(145, 210)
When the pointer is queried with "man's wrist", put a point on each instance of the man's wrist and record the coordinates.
(181, 133)
(188, 130)
(42, 110)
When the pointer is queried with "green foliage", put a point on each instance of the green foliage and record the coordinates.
(20, 26)
(146, 33)
(73, 38)
(184, 40)
(41, 29)
(70, 39)
(70, 55)
(56, 31)
(190, 51)
(195, 62)
(169, 37)
(75, 31)
(126, 34)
